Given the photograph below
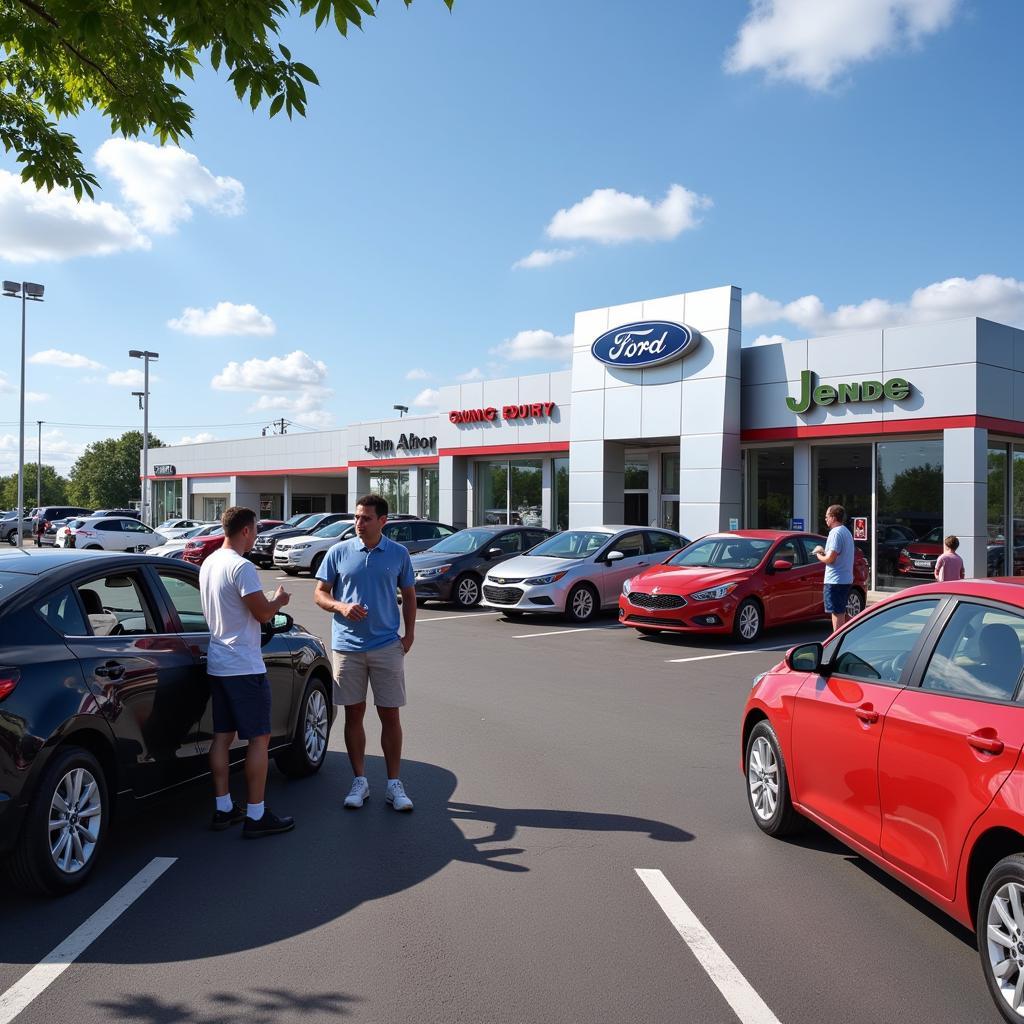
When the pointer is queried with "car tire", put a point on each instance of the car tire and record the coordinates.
(1006, 875)
(92, 547)
(308, 749)
(289, 572)
(768, 784)
(748, 622)
(466, 590)
(314, 566)
(12, 537)
(582, 604)
(33, 865)
(854, 603)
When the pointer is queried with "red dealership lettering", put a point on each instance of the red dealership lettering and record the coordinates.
(508, 412)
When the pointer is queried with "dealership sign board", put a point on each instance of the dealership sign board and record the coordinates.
(646, 343)
(535, 410)
(407, 442)
(896, 389)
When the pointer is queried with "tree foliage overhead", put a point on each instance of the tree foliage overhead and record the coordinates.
(54, 488)
(107, 472)
(123, 58)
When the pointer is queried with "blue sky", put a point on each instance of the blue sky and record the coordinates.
(818, 155)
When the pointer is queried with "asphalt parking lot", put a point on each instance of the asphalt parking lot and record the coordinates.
(549, 764)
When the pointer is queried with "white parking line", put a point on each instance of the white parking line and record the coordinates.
(444, 618)
(725, 654)
(738, 992)
(58, 960)
(565, 632)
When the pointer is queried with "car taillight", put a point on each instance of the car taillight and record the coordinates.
(82, 533)
(8, 681)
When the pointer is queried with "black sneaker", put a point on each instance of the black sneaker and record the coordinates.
(225, 819)
(269, 825)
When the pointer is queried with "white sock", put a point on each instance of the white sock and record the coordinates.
(254, 811)
(224, 803)
(391, 782)
(359, 778)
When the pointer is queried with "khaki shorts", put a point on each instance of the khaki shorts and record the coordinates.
(383, 668)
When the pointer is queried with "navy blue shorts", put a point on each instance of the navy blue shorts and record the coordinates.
(241, 704)
(836, 596)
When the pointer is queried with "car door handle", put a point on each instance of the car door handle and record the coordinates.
(111, 670)
(867, 714)
(986, 744)
(202, 659)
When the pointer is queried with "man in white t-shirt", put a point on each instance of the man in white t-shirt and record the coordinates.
(234, 605)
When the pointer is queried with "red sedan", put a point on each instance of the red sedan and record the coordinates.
(918, 557)
(901, 735)
(735, 583)
(198, 549)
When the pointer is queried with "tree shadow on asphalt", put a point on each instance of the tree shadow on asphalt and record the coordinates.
(257, 1006)
(224, 895)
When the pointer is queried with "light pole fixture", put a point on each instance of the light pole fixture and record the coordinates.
(401, 410)
(143, 397)
(34, 292)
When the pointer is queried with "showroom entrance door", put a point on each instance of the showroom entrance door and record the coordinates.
(842, 476)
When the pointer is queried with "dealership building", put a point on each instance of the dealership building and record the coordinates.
(664, 418)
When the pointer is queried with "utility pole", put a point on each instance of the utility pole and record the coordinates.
(39, 466)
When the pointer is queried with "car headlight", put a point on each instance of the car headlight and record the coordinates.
(904, 553)
(298, 547)
(714, 593)
(543, 581)
(432, 571)
(757, 679)
(627, 588)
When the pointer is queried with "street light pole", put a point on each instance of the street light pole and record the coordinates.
(39, 467)
(145, 357)
(28, 290)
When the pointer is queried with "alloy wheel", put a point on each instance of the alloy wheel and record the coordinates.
(315, 731)
(854, 605)
(76, 814)
(1004, 936)
(763, 779)
(750, 621)
(467, 593)
(582, 606)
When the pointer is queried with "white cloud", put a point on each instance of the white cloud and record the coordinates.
(58, 452)
(278, 373)
(768, 339)
(471, 375)
(224, 318)
(67, 360)
(543, 258)
(813, 43)
(37, 225)
(162, 184)
(304, 408)
(996, 298)
(128, 379)
(535, 345)
(199, 438)
(417, 374)
(426, 399)
(611, 217)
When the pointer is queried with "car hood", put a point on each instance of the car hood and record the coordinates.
(535, 565)
(428, 559)
(921, 549)
(678, 579)
(281, 534)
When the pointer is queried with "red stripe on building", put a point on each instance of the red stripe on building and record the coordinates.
(862, 428)
(329, 470)
(508, 449)
(426, 460)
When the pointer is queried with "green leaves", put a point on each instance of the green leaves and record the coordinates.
(123, 57)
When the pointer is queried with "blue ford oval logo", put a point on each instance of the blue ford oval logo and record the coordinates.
(647, 343)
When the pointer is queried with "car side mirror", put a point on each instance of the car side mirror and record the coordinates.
(494, 552)
(805, 658)
(280, 623)
(781, 565)
(614, 556)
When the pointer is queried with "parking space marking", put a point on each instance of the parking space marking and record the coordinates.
(565, 632)
(738, 992)
(58, 960)
(725, 654)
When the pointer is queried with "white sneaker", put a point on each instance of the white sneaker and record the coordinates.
(358, 794)
(396, 796)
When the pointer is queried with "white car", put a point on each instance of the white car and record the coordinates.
(107, 533)
(174, 548)
(307, 551)
(172, 529)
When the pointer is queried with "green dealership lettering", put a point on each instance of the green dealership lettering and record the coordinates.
(896, 389)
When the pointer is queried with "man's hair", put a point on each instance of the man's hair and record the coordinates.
(836, 512)
(374, 501)
(236, 519)
(952, 542)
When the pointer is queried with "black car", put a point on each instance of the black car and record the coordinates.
(454, 568)
(302, 522)
(103, 694)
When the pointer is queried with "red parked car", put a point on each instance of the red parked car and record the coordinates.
(919, 556)
(737, 583)
(199, 549)
(901, 735)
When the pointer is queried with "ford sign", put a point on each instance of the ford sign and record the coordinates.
(647, 343)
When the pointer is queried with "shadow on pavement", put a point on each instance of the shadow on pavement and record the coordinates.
(257, 1006)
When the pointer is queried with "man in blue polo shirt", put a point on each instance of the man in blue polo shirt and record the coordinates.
(357, 581)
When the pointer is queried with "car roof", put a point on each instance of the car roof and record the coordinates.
(36, 561)
(999, 588)
(491, 528)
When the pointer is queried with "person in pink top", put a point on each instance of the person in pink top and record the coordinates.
(949, 565)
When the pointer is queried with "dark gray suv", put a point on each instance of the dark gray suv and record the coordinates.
(452, 570)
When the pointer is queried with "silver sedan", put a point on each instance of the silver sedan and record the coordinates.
(576, 572)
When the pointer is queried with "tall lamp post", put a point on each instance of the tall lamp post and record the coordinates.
(34, 292)
(145, 357)
(39, 468)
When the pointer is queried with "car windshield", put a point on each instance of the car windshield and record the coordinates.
(333, 529)
(168, 524)
(76, 523)
(572, 544)
(724, 552)
(463, 542)
(932, 536)
(297, 518)
(11, 582)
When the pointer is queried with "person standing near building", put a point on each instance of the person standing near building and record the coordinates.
(357, 582)
(949, 565)
(234, 605)
(837, 557)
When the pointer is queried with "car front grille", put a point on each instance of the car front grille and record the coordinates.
(503, 595)
(503, 579)
(632, 618)
(655, 601)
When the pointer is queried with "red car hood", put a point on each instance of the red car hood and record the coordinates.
(919, 549)
(679, 579)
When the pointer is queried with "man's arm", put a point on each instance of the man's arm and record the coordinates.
(324, 598)
(408, 616)
(262, 609)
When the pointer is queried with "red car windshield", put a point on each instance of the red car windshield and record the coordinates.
(724, 552)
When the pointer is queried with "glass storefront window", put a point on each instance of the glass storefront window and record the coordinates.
(908, 534)
(636, 476)
(430, 503)
(213, 507)
(165, 497)
(770, 486)
(510, 492)
(997, 544)
(393, 486)
(1017, 505)
(670, 474)
(561, 475)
